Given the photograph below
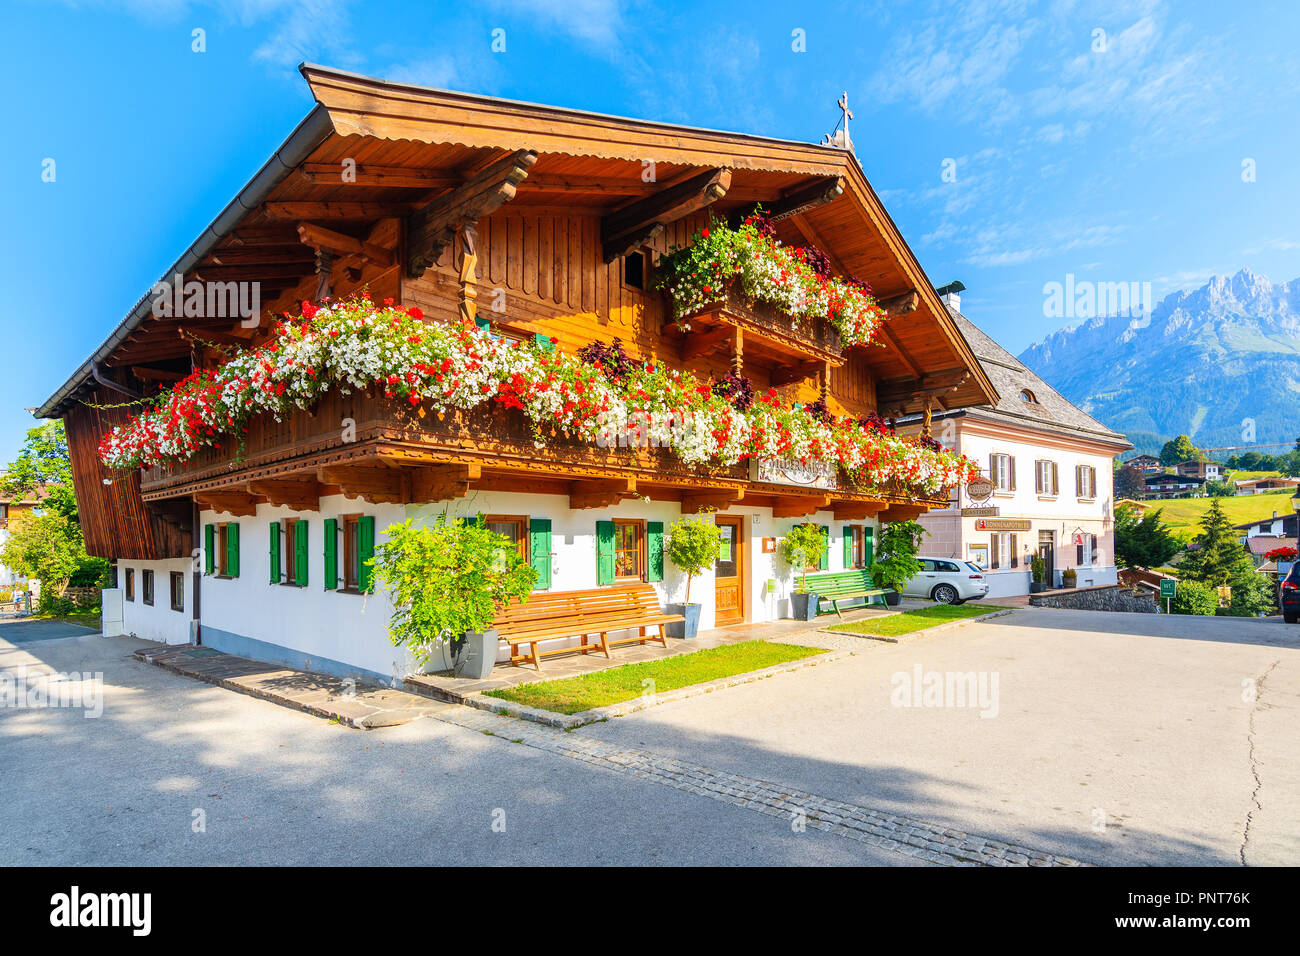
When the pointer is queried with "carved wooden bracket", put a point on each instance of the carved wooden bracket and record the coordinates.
(441, 482)
(374, 483)
(231, 502)
(301, 494)
(799, 507)
(624, 229)
(858, 510)
(601, 494)
(432, 227)
(713, 499)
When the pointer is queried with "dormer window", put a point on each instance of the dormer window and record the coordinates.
(1027, 396)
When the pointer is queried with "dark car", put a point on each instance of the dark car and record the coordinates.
(1291, 595)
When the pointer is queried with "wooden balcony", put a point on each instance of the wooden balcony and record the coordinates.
(769, 337)
(367, 446)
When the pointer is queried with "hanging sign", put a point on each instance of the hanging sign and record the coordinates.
(791, 471)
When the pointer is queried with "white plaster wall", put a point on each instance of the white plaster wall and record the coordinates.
(950, 533)
(352, 629)
(159, 622)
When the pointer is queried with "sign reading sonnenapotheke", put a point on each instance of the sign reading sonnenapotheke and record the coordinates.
(790, 471)
(1003, 524)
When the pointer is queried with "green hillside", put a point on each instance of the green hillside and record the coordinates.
(1183, 515)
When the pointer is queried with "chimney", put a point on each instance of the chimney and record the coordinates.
(950, 295)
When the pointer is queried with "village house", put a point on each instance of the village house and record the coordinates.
(1049, 467)
(1173, 486)
(12, 509)
(1258, 486)
(1149, 464)
(538, 230)
(1207, 470)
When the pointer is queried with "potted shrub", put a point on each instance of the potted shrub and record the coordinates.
(895, 562)
(693, 545)
(802, 548)
(1037, 573)
(1068, 577)
(446, 582)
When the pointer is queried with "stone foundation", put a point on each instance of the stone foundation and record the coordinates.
(1105, 597)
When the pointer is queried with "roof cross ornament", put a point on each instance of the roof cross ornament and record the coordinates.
(838, 137)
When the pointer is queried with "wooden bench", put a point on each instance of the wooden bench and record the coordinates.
(555, 615)
(837, 586)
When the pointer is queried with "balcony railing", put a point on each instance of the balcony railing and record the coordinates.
(770, 332)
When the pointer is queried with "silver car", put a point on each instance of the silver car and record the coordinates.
(948, 581)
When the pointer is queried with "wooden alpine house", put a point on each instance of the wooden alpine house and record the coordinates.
(538, 225)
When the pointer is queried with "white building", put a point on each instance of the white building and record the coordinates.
(1050, 467)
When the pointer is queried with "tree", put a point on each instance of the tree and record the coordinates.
(47, 545)
(1192, 597)
(1219, 489)
(1129, 482)
(693, 545)
(1219, 555)
(1178, 449)
(1144, 541)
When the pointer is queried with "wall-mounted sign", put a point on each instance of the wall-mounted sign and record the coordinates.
(1003, 524)
(986, 512)
(980, 489)
(769, 545)
(790, 471)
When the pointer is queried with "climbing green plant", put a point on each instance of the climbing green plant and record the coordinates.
(896, 562)
(447, 579)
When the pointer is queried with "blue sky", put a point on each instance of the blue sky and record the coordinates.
(1114, 155)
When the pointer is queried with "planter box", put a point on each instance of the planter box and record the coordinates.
(804, 606)
(476, 655)
(684, 629)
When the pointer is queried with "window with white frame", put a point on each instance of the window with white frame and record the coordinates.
(1045, 473)
(1002, 471)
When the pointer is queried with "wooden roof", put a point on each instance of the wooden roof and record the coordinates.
(410, 144)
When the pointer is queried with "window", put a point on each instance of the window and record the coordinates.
(628, 561)
(351, 551)
(514, 527)
(857, 546)
(221, 543)
(634, 270)
(1003, 551)
(1045, 474)
(1027, 396)
(1085, 481)
(130, 583)
(358, 534)
(289, 558)
(1085, 552)
(979, 555)
(146, 585)
(1002, 472)
(178, 590)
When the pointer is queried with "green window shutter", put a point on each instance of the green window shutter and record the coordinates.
(539, 551)
(365, 549)
(544, 342)
(848, 546)
(825, 564)
(604, 552)
(275, 552)
(654, 549)
(232, 550)
(209, 548)
(300, 557)
(869, 545)
(483, 323)
(331, 554)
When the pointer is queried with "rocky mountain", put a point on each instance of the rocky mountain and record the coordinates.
(1200, 363)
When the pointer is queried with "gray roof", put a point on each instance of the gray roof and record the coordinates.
(1051, 412)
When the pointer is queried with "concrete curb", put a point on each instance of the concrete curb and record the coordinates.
(623, 708)
(925, 631)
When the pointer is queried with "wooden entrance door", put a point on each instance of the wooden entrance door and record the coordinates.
(729, 573)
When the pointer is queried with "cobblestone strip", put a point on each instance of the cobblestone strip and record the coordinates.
(927, 841)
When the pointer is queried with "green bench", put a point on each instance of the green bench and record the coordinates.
(837, 586)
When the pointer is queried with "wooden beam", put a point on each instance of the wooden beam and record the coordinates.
(237, 503)
(903, 392)
(857, 510)
(712, 499)
(402, 177)
(301, 494)
(374, 483)
(335, 210)
(156, 374)
(318, 237)
(795, 373)
(704, 342)
(800, 507)
(600, 494)
(254, 273)
(259, 255)
(902, 513)
(623, 229)
(900, 304)
(800, 199)
(888, 338)
(432, 227)
(442, 482)
(597, 185)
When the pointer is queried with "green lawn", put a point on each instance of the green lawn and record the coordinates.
(916, 620)
(1183, 515)
(571, 695)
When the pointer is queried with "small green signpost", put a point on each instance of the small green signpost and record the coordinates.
(1168, 588)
